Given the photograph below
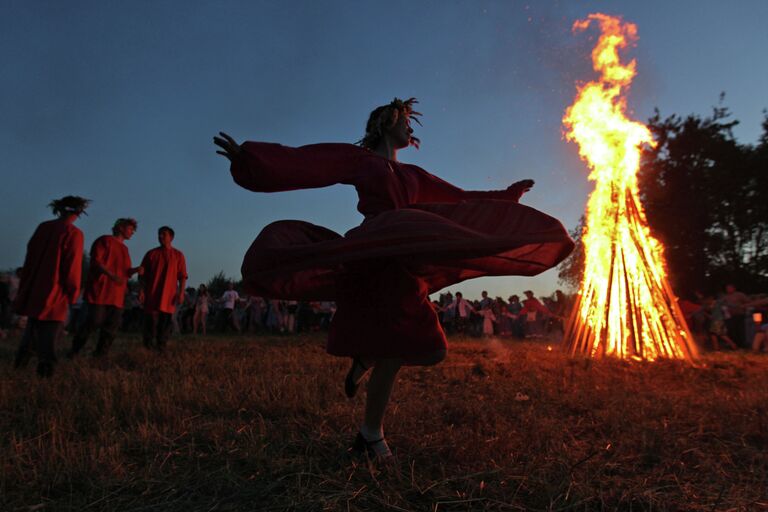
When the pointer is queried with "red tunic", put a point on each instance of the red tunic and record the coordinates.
(112, 254)
(420, 234)
(534, 305)
(50, 278)
(163, 268)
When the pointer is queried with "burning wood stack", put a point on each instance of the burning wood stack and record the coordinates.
(625, 306)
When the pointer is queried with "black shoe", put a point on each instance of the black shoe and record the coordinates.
(350, 384)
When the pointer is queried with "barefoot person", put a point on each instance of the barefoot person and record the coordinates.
(108, 275)
(163, 280)
(50, 282)
(420, 234)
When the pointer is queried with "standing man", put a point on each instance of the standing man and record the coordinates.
(50, 282)
(105, 289)
(462, 310)
(228, 314)
(163, 280)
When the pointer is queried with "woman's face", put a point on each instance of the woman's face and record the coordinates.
(400, 133)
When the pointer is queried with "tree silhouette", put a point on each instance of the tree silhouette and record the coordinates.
(219, 283)
(704, 195)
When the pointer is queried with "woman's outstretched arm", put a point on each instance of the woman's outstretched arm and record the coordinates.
(435, 190)
(268, 167)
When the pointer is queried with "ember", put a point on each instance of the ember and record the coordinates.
(625, 306)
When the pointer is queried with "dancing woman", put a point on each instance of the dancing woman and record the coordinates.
(419, 235)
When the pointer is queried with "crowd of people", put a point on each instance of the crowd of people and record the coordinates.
(199, 312)
(158, 303)
(232, 313)
(529, 318)
(729, 318)
(51, 279)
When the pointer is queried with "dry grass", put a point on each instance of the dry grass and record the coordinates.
(262, 424)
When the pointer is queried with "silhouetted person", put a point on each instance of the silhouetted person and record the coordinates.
(105, 290)
(534, 313)
(420, 234)
(227, 314)
(736, 302)
(462, 310)
(202, 303)
(163, 280)
(50, 282)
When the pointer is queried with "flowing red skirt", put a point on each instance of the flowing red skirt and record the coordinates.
(381, 272)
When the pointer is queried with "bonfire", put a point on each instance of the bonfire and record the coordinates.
(625, 306)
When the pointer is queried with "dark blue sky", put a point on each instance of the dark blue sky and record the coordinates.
(118, 101)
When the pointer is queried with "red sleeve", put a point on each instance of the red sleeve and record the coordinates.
(268, 167)
(688, 308)
(127, 262)
(99, 252)
(72, 265)
(182, 267)
(145, 266)
(435, 190)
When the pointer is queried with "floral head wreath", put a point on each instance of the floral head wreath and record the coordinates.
(385, 117)
(69, 205)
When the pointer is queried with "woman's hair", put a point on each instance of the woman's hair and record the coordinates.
(202, 289)
(124, 222)
(385, 117)
(69, 205)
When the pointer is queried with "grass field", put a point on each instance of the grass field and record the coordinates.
(261, 423)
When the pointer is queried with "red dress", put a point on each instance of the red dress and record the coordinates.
(50, 278)
(420, 234)
(112, 254)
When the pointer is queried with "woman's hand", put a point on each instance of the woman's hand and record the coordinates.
(231, 148)
(519, 188)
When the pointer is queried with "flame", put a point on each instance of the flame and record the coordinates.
(625, 306)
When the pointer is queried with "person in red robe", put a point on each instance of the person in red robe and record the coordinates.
(108, 275)
(420, 234)
(534, 313)
(163, 278)
(50, 283)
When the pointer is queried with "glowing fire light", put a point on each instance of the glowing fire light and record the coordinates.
(625, 306)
